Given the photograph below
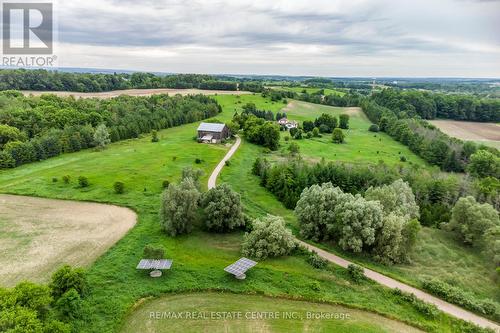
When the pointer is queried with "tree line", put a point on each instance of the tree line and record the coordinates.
(37, 128)
(22, 79)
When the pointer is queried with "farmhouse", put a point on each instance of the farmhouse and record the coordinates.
(212, 132)
(288, 124)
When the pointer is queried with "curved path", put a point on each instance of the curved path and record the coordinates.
(213, 177)
(391, 283)
(444, 306)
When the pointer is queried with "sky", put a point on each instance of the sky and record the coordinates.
(370, 38)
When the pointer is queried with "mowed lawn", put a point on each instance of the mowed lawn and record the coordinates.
(227, 312)
(199, 258)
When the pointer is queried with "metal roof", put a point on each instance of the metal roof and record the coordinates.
(154, 264)
(211, 127)
(240, 266)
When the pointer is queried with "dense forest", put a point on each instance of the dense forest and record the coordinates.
(36, 128)
(21, 79)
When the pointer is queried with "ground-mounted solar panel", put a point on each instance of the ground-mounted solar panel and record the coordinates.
(240, 267)
(154, 264)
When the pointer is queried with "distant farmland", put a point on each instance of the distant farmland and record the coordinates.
(134, 92)
(485, 133)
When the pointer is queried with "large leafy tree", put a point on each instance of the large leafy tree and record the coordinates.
(222, 208)
(484, 164)
(471, 220)
(101, 136)
(179, 205)
(269, 238)
(397, 198)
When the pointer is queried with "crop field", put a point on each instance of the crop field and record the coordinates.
(199, 258)
(240, 313)
(482, 133)
(134, 92)
(39, 235)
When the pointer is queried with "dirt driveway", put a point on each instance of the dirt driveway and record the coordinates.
(39, 235)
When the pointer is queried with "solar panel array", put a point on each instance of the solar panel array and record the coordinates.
(240, 267)
(154, 264)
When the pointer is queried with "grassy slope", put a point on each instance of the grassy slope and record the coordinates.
(241, 307)
(198, 258)
(436, 254)
(310, 90)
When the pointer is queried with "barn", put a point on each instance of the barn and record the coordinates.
(213, 132)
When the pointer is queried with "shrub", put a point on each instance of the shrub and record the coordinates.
(309, 135)
(344, 121)
(222, 208)
(268, 238)
(374, 128)
(153, 252)
(402, 158)
(293, 148)
(69, 305)
(356, 273)
(338, 136)
(66, 179)
(197, 161)
(66, 278)
(165, 184)
(429, 310)
(457, 296)
(119, 187)
(316, 261)
(83, 181)
(315, 132)
(54, 179)
(287, 138)
(227, 163)
(154, 136)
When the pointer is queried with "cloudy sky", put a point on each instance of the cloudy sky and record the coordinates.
(453, 38)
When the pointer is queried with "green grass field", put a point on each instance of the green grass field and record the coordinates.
(250, 313)
(199, 258)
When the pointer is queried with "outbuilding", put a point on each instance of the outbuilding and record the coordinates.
(213, 132)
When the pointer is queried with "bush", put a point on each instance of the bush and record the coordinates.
(338, 136)
(402, 158)
(54, 179)
(119, 187)
(165, 184)
(222, 208)
(287, 138)
(268, 238)
(344, 121)
(197, 161)
(154, 136)
(374, 128)
(356, 273)
(227, 163)
(316, 261)
(457, 296)
(153, 252)
(69, 305)
(66, 278)
(315, 132)
(83, 181)
(429, 310)
(309, 135)
(66, 179)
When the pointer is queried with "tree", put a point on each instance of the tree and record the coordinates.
(9, 133)
(373, 128)
(308, 125)
(101, 136)
(344, 121)
(397, 198)
(222, 208)
(154, 136)
(194, 174)
(326, 123)
(318, 208)
(338, 136)
(471, 220)
(179, 204)
(483, 164)
(66, 278)
(358, 221)
(315, 132)
(269, 238)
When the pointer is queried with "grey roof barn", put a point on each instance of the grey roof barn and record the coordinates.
(212, 132)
